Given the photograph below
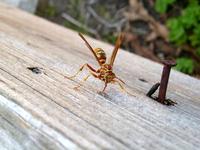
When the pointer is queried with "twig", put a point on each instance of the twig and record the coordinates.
(78, 24)
(116, 25)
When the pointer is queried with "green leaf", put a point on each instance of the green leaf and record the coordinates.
(185, 65)
(198, 51)
(162, 5)
(193, 2)
(110, 38)
(50, 11)
(177, 33)
(195, 37)
(190, 15)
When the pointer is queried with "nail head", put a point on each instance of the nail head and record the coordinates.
(169, 63)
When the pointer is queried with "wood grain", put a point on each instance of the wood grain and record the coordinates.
(43, 111)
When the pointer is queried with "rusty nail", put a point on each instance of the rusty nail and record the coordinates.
(164, 79)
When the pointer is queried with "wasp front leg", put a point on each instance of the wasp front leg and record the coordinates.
(85, 79)
(81, 69)
(104, 87)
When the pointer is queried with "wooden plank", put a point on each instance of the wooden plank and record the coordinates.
(43, 111)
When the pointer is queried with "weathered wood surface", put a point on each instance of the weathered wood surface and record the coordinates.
(43, 111)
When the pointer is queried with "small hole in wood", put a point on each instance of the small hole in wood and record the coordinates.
(143, 80)
(35, 70)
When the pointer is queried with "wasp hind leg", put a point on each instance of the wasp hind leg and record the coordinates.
(121, 86)
(120, 80)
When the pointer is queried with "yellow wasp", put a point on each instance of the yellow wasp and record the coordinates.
(105, 72)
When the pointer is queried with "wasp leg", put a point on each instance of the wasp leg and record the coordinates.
(85, 79)
(81, 69)
(104, 87)
(121, 80)
(81, 84)
(121, 86)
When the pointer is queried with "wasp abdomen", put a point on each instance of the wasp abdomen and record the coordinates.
(101, 55)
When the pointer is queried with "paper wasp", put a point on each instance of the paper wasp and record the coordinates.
(105, 72)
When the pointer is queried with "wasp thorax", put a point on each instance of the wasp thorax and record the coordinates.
(101, 55)
(106, 73)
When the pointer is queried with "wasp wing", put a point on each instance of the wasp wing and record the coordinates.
(117, 46)
(91, 49)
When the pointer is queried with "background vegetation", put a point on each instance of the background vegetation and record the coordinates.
(155, 29)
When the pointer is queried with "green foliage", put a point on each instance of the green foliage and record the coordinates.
(110, 38)
(177, 32)
(184, 29)
(198, 52)
(72, 26)
(162, 5)
(103, 11)
(50, 11)
(185, 65)
(73, 9)
(195, 37)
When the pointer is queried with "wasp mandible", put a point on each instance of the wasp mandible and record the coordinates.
(105, 72)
